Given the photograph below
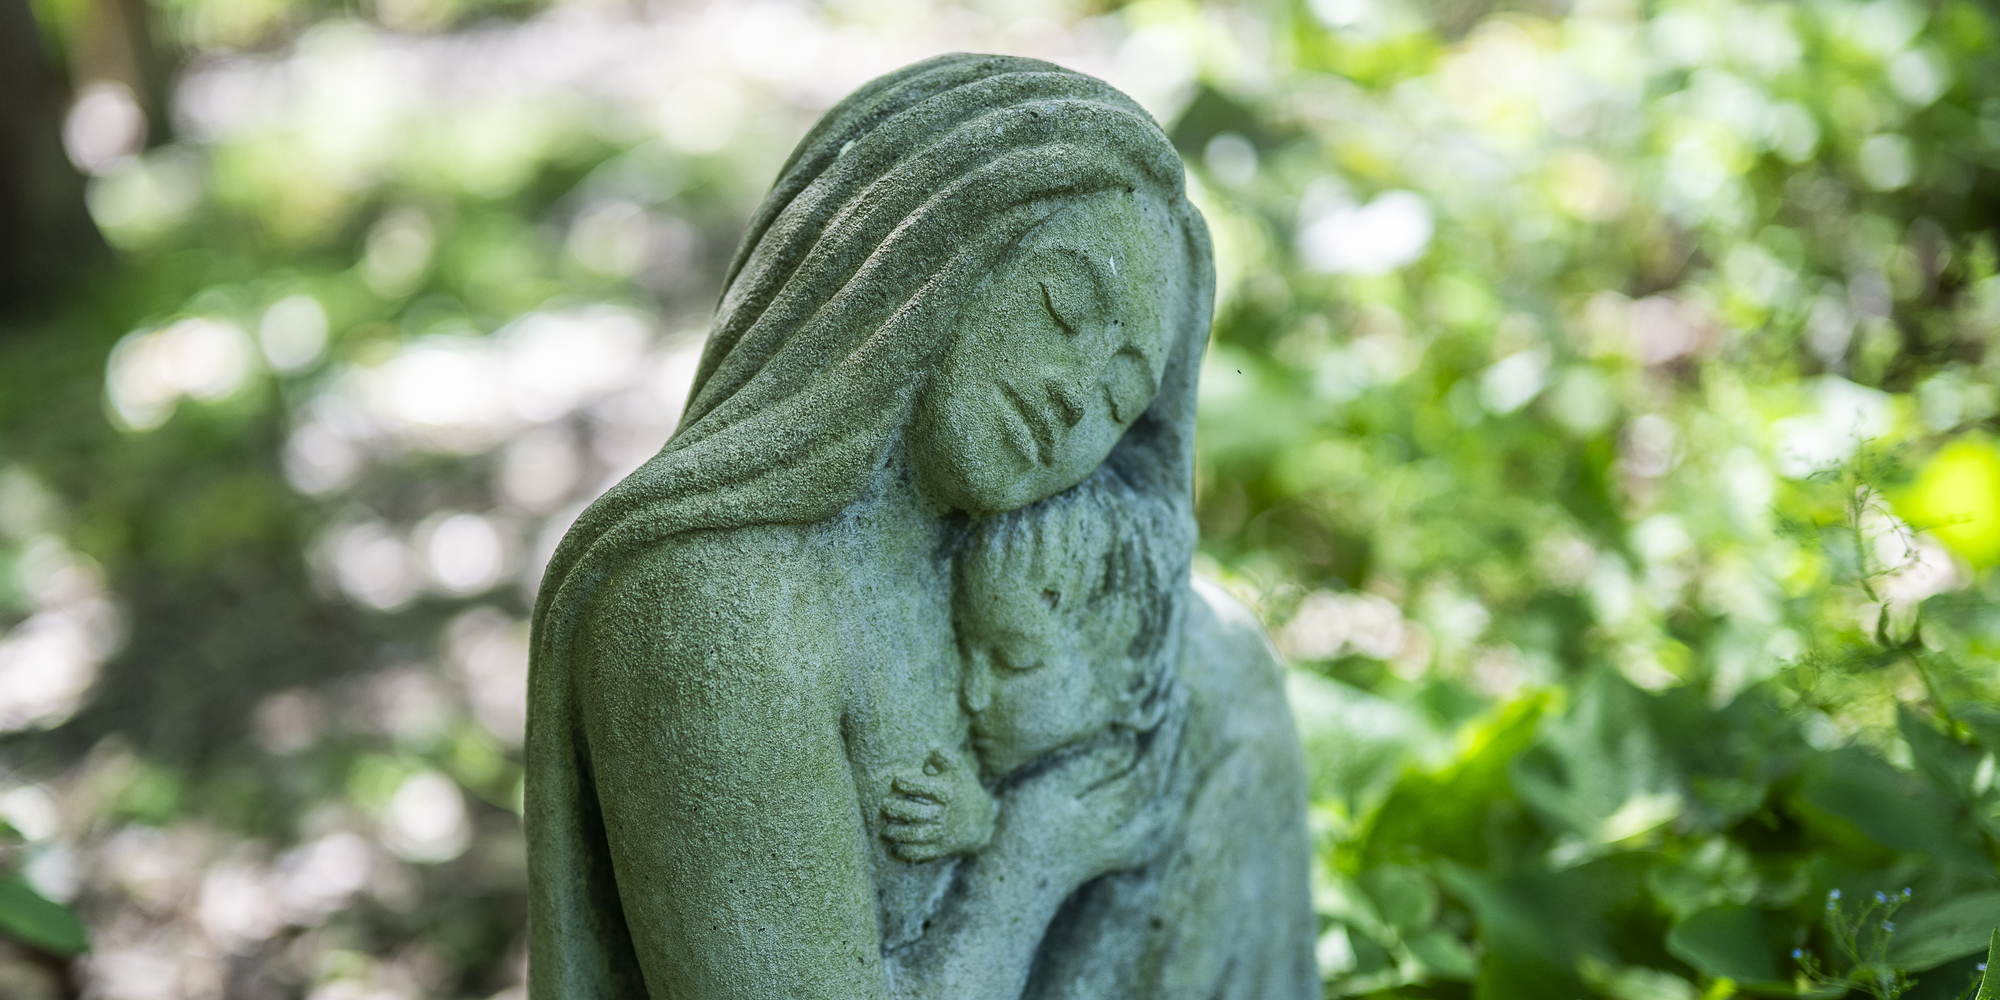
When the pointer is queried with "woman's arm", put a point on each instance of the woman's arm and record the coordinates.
(1107, 806)
(711, 702)
(711, 696)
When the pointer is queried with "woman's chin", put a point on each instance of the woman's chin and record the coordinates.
(980, 487)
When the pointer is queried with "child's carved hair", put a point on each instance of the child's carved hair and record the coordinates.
(1110, 541)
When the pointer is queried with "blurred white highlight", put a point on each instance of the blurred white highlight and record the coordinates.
(31, 810)
(315, 879)
(489, 657)
(138, 196)
(49, 661)
(540, 468)
(1845, 415)
(149, 371)
(700, 115)
(1231, 159)
(426, 820)
(104, 128)
(613, 238)
(1387, 233)
(399, 252)
(371, 563)
(463, 552)
(1885, 162)
(1514, 380)
(1328, 624)
(293, 333)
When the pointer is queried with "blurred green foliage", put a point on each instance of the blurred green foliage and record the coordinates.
(1600, 413)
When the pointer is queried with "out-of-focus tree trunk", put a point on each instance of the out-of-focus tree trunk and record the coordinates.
(115, 42)
(47, 239)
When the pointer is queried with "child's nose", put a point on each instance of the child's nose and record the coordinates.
(977, 690)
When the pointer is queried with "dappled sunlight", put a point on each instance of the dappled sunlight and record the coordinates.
(1599, 413)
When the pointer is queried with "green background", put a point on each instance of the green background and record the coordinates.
(1599, 414)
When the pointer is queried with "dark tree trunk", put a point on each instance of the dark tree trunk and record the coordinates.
(47, 240)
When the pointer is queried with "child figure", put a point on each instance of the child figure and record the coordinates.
(1063, 610)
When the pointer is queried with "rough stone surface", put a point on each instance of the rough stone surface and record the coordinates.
(886, 677)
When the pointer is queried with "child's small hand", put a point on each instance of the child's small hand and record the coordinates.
(939, 813)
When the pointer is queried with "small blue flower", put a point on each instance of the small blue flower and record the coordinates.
(1879, 897)
(1906, 892)
(1798, 953)
(1835, 894)
(1887, 926)
(1982, 966)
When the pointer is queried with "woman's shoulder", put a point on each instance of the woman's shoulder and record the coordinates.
(667, 623)
(728, 591)
(1233, 676)
(712, 561)
(1224, 633)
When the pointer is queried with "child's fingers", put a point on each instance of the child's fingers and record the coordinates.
(912, 810)
(918, 853)
(938, 789)
(914, 833)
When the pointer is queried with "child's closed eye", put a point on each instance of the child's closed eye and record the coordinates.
(1019, 661)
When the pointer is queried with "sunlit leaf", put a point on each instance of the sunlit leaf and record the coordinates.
(34, 920)
(1957, 497)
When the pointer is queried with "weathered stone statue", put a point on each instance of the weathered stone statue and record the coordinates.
(885, 678)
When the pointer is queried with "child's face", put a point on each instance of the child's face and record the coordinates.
(1042, 671)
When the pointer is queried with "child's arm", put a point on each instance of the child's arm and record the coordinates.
(939, 813)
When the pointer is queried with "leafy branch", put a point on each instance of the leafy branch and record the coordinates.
(1861, 943)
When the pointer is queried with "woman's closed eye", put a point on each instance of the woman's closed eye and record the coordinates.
(1019, 661)
(1064, 316)
(1076, 290)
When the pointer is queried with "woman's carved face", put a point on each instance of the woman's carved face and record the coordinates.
(1059, 352)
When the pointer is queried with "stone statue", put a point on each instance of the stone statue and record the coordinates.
(885, 677)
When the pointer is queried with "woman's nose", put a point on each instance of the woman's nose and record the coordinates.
(1070, 402)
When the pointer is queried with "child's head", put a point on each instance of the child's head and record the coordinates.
(1064, 611)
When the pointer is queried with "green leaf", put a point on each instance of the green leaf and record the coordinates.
(1949, 764)
(1984, 721)
(1635, 982)
(1403, 896)
(1954, 930)
(33, 920)
(1444, 955)
(1356, 744)
(1882, 803)
(1989, 980)
(1716, 872)
(1729, 942)
(1599, 772)
(1536, 926)
(1449, 812)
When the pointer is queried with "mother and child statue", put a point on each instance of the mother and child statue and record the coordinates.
(887, 676)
